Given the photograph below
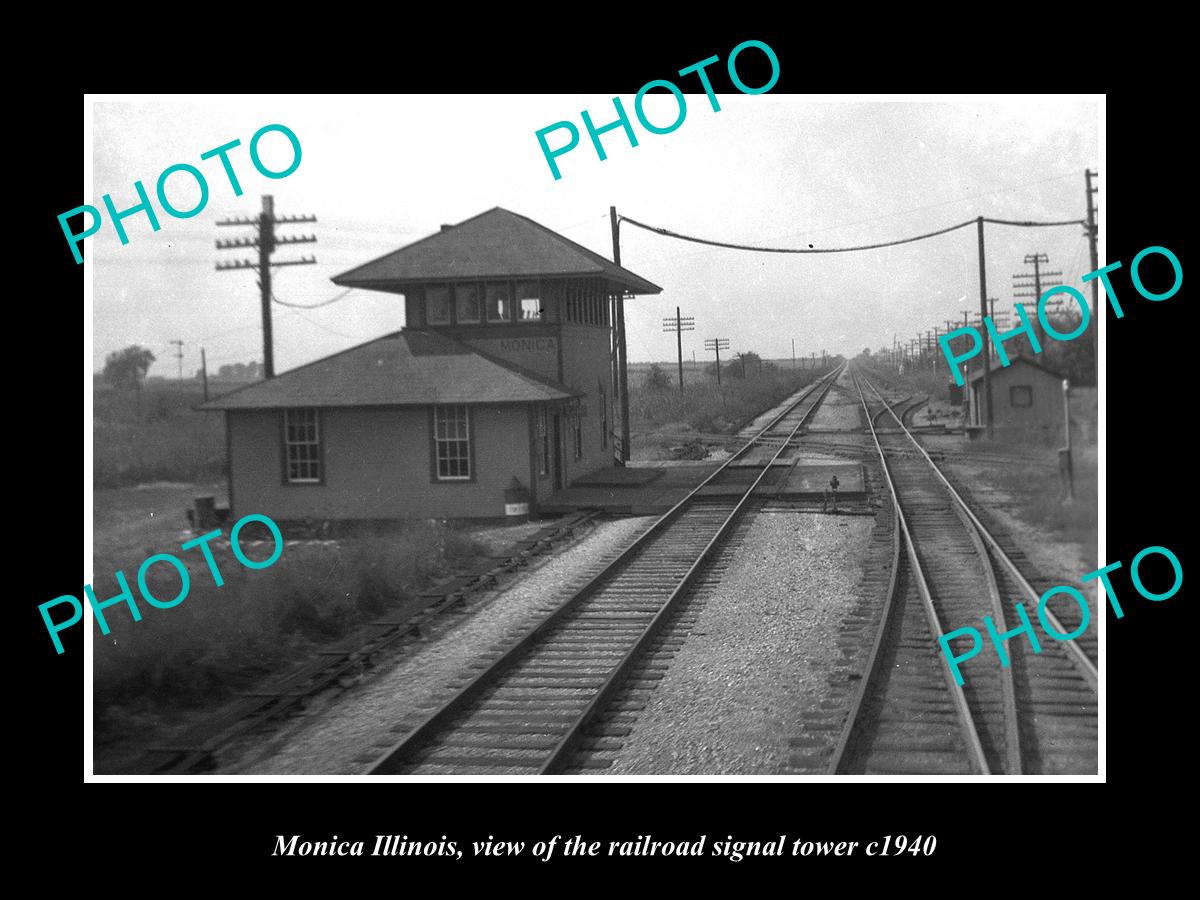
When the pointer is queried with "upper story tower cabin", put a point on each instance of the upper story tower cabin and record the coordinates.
(527, 297)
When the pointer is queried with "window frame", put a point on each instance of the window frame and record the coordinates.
(519, 300)
(1012, 395)
(449, 302)
(435, 472)
(285, 447)
(509, 299)
(480, 301)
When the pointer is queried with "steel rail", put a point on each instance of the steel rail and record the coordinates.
(872, 661)
(958, 697)
(1074, 652)
(393, 758)
(569, 741)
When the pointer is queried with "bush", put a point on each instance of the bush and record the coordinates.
(657, 379)
(259, 624)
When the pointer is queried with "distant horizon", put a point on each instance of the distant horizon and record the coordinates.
(771, 171)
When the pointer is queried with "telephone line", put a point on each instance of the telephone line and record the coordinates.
(666, 232)
(698, 240)
(314, 305)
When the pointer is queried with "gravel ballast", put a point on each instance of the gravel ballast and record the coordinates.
(348, 723)
(841, 409)
(759, 654)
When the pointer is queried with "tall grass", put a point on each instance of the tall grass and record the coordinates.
(223, 639)
(705, 407)
(163, 440)
(1040, 496)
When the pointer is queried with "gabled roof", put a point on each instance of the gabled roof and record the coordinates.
(408, 368)
(976, 374)
(493, 244)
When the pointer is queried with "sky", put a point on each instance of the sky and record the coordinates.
(380, 172)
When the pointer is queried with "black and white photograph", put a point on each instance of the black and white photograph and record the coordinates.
(706, 432)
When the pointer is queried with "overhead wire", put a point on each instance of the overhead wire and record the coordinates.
(666, 232)
(334, 299)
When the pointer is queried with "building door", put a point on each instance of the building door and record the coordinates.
(559, 480)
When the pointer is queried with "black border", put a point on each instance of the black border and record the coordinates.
(990, 836)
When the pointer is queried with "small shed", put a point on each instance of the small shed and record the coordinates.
(1026, 396)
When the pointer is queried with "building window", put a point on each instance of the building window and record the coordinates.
(529, 300)
(543, 442)
(452, 442)
(577, 426)
(466, 300)
(499, 304)
(1020, 395)
(603, 415)
(437, 304)
(584, 302)
(302, 446)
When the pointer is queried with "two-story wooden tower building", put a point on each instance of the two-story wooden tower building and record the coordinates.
(503, 371)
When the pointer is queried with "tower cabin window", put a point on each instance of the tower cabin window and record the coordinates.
(529, 300)
(586, 302)
(466, 303)
(437, 304)
(499, 301)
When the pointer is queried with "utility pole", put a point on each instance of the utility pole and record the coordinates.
(987, 350)
(717, 345)
(1092, 232)
(178, 355)
(679, 325)
(204, 373)
(1065, 463)
(622, 362)
(950, 325)
(266, 242)
(793, 353)
(1034, 288)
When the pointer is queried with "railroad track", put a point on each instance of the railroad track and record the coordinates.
(528, 711)
(907, 715)
(201, 747)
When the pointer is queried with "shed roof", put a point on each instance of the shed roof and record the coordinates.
(493, 244)
(997, 369)
(407, 368)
